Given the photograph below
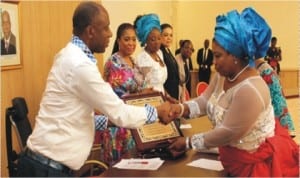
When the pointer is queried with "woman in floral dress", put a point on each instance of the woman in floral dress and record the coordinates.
(124, 76)
(278, 99)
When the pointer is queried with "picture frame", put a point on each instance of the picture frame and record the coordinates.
(10, 55)
(155, 135)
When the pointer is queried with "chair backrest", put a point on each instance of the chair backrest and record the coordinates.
(16, 116)
(201, 87)
(187, 95)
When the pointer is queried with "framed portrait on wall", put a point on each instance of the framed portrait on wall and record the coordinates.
(10, 36)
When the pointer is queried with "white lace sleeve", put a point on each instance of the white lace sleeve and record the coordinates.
(198, 106)
(238, 118)
(197, 142)
(194, 108)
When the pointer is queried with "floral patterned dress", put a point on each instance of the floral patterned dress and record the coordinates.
(124, 80)
(278, 99)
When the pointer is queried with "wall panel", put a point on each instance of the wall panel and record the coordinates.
(48, 29)
(45, 27)
(290, 82)
(12, 85)
(196, 21)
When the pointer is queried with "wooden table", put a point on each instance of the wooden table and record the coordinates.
(178, 167)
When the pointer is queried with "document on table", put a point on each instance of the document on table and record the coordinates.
(207, 164)
(140, 164)
(185, 126)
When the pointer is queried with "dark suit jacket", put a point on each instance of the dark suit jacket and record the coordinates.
(190, 64)
(172, 82)
(209, 60)
(204, 65)
(11, 48)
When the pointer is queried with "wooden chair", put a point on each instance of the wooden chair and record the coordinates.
(93, 166)
(16, 117)
(201, 87)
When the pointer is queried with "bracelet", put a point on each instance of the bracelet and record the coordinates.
(197, 141)
(187, 143)
(182, 109)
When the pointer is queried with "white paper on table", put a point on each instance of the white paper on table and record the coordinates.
(207, 164)
(140, 164)
(185, 126)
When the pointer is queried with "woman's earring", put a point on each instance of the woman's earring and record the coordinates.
(235, 62)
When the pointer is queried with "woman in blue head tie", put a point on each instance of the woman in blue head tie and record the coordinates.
(150, 59)
(237, 101)
(281, 111)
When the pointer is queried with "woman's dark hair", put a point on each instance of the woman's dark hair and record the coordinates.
(165, 25)
(186, 42)
(84, 15)
(273, 38)
(120, 31)
(181, 43)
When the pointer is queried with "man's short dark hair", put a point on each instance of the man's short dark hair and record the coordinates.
(83, 16)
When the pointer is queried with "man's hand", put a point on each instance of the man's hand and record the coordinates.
(175, 110)
(164, 112)
(167, 112)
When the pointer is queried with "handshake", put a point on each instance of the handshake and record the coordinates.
(169, 110)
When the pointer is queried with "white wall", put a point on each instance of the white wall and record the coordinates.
(195, 20)
(126, 11)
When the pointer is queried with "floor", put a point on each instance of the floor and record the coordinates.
(293, 106)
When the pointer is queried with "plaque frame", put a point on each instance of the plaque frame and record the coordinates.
(142, 144)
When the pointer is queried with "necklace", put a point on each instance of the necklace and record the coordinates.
(156, 58)
(237, 75)
(127, 60)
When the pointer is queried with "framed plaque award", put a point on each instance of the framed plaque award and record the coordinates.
(155, 135)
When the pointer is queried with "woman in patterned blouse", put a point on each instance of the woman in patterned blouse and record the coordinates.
(120, 69)
(124, 77)
(278, 99)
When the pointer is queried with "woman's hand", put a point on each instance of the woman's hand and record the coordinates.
(177, 146)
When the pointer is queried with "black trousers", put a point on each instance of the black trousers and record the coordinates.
(204, 75)
(28, 167)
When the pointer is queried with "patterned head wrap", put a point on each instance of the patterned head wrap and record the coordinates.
(246, 35)
(144, 25)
